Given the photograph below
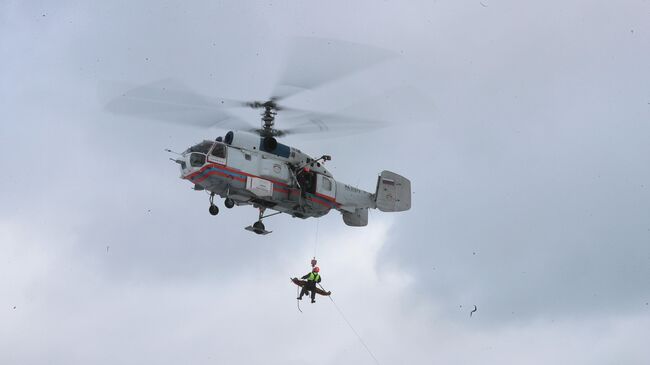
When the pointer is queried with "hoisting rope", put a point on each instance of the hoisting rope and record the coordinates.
(316, 237)
(313, 261)
(352, 328)
(337, 307)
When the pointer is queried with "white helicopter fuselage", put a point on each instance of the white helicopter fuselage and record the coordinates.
(250, 171)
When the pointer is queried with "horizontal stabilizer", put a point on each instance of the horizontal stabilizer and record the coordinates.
(357, 219)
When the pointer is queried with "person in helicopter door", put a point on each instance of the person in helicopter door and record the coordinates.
(312, 278)
(304, 179)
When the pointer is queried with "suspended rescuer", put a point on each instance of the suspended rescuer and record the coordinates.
(312, 279)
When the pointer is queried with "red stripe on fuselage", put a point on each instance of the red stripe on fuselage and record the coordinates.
(326, 197)
(219, 173)
(286, 189)
(313, 199)
(223, 167)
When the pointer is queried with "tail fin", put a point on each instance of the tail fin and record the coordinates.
(393, 192)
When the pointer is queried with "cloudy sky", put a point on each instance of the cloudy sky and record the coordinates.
(523, 126)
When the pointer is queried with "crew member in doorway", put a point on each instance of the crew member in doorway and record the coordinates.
(312, 279)
(305, 180)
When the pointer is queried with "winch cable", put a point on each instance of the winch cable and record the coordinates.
(315, 244)
(316, 237)
(339, 309)
(351, 327)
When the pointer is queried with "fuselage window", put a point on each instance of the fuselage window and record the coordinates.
(327, 184)
(197, 159)
(219, 150)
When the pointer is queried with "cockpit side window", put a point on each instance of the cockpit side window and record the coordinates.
(197, 159)
(219, 150)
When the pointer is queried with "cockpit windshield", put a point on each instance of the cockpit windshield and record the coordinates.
(202, 147)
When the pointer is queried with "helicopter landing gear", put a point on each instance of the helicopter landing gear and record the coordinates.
(214, 210)
(258, 227)
(229, 203)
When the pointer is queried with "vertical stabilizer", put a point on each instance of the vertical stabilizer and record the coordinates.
(393, 192)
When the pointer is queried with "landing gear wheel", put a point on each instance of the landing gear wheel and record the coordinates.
(259, 227)
(214, 210)
(229, 203)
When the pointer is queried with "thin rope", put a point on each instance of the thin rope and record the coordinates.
(352, 328)
(316, 237)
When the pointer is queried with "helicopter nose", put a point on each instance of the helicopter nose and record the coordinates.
(182, 163)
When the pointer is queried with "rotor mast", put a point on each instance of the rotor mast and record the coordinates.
(268, 116)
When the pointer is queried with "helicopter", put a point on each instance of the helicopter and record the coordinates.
(250, 167)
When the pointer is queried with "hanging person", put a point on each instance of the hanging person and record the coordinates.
(312, 278)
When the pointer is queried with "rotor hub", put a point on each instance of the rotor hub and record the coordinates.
(268, 116)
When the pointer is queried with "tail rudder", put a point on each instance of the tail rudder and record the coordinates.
(393, 192)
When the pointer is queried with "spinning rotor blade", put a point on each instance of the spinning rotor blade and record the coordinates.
(379, 108)
(171, 101)
(312, 123)
(313, 62)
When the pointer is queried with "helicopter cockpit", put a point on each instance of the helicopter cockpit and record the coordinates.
(198, 153)
(202, 147)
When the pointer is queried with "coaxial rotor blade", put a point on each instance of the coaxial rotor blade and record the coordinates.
(312, 123)
(171, 101)
(313, 62)
(379, 108)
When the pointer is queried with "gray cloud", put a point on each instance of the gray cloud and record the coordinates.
(527, 144)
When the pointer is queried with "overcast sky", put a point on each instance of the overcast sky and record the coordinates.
(523, 126)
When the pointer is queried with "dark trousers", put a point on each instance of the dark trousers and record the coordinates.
(309, 287)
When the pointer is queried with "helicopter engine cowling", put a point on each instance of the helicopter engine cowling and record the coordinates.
(243, 140)
(270, 143)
